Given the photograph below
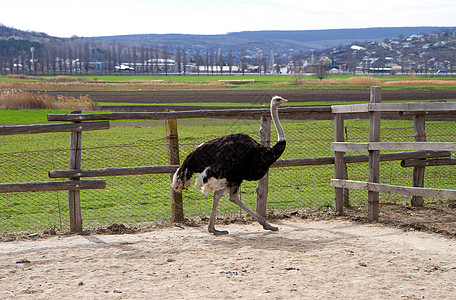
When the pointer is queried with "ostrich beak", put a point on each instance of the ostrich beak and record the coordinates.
(283, 100)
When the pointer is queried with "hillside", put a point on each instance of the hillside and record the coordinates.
(282, 41)
(32, 36)
(299, 40)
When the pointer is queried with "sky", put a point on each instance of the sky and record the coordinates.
(88, 18)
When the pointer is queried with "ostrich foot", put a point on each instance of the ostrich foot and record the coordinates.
(268, 226)
(217, 232)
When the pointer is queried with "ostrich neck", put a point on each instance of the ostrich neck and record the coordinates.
(278, 126)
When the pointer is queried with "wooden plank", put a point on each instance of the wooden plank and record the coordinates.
(395, 107)
(391, 146)
(352, 108)
(48, 128)
(387, 188)
(413, 106)
(290, 162)
(428, 162)
(419, 124)
(112, 171)
(188, 114)
(74, 198)
(349, 147)
(172, 147)
(262, 186)
(415, 146)
(374, 155)
(37, 186)
(339, 162)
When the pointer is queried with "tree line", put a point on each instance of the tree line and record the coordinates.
(76, 57)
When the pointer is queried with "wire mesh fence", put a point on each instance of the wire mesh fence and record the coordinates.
(141, 199)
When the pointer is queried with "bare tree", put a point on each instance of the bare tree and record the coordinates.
(11, 55)
(86, 57)
(165, 58)
(157, 56)
(1, 62)
(243, 61)
(197, 61)
(44, 60)
(64, 59)
(54, 59)
(230, 61)
(135, 59)
(277, 63)
(119, 56)
(264, 62)
(184, 60)
(319, 70)
(143, 59)
(220, 61)
(211, 60)
(207, 62)
(179, 60)
(70, 60)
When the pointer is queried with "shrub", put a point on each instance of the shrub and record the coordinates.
(18, 99)
(421, 82)
(363, 80)
(331, 81)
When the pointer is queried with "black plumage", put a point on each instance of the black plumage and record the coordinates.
(235, 157)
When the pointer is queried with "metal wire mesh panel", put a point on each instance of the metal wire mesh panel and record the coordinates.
(145, 198)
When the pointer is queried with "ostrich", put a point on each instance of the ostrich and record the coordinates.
(224, 162)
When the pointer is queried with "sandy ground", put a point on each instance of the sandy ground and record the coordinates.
(304, 260)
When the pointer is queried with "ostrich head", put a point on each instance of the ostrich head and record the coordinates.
(277, 100)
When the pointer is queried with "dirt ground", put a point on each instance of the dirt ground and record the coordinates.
(306, 259)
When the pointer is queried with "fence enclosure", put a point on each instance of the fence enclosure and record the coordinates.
(73, 185)
(373, 147)
(81, 122)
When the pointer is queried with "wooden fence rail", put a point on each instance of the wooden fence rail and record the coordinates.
(50, 128)
(290, 162)
(221, 113)
(36, 186)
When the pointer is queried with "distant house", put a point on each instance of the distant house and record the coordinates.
(357, 48)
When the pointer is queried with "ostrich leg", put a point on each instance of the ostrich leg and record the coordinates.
(211, 227)
(235, 198)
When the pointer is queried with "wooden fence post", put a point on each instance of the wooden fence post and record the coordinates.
(339, 163)
(374, 155)
(172, 146)
(262, 187)
(74, 200)
(419, 122)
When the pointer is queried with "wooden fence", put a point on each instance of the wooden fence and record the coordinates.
(73, 185)
(373, 147)
(81, 122)
(170, 118)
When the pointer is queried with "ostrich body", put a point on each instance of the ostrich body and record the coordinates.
(224, 162)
